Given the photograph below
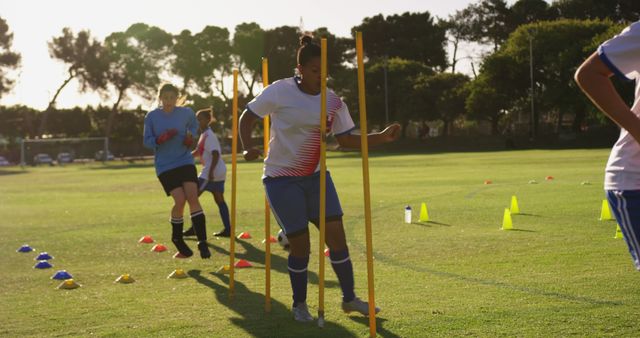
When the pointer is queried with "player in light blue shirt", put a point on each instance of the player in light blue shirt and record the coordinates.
(169, 130)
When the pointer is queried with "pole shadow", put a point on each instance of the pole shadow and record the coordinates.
(380, 330)
(249, 306)
(278, 264)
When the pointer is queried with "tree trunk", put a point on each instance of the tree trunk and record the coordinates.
(559, 122)
(405, 124)
(494, 125)
(445, 128)
(112, 114)
(52, 103)
(454, 61)
(579, 118)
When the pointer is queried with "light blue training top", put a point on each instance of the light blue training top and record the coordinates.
(171, 154)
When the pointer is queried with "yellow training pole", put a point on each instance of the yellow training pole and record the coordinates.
(365, 178)
(234, 162)
(323, 176)
(267, 214)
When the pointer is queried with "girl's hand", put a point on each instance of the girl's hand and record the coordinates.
(391, 133)
(188, 140)
(251, 154)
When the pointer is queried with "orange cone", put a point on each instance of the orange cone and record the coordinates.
(548, 178)
(271, 240)
(487, 182)
(159, 248)
(244, 235)
(146, 239)
(326, 252)
(242, 264)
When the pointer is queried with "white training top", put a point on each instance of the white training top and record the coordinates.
(622, 55)
(294, 146)
(208, 143)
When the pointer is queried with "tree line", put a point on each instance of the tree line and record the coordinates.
(533, 49)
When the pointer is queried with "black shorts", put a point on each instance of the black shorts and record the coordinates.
(174, 178)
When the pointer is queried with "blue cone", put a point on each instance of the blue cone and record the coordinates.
(43, 256)
(25, 248)
(42, 265)
(62, 275)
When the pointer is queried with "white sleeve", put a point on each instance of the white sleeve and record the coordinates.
(266, 102)
(212, 143)
(622, 53)
(342, 122)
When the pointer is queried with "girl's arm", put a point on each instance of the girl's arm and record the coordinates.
(215, 156)
(247, 120)
(593, 77)
(149, 138)
(389, 134)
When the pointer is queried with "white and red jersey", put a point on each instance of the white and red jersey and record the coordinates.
(294, 146)
(208, 143)
(622, 55)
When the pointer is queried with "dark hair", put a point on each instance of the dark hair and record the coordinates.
(308, 49)
(167, 87)
(205, 112)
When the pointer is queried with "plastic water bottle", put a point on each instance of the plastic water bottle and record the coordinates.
(407, 214)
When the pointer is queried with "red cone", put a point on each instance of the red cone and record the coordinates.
(487, 182)
(271, 240)
(548, 178)
(146, 239)
(326, 252)
(242, 264)
(159, 248)
(244, 235)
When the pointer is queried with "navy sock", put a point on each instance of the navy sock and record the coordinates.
(343, 268)
(177, 224)
(224, 214)
(200, 227)
(298, 276)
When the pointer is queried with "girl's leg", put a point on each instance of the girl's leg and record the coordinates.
(177, 222)
(218, 197)
(197, 217)
(298, 262)
(339, 256)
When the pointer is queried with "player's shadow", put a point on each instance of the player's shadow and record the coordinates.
(431, 223)
(252, 318)
(278, 263)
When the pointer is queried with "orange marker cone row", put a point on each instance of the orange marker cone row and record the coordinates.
(271, 240)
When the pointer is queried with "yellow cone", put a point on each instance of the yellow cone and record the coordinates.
(605, 213)
(424, 214)
(125, 279)
(224, 269)
(514, 205)
(507, 224)
(177, 274)
(69, 284)
(618, 232)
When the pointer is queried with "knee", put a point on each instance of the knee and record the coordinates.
(179, 202)
(218, 198)
(299, 244)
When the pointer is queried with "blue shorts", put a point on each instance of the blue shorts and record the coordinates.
(216, 186)
(626, 207)
(295, 201)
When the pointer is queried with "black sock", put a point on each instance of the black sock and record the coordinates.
(200, 227)
(177, 225)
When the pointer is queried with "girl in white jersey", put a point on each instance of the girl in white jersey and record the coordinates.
(620, 56)
(291, 171)
(214, 171)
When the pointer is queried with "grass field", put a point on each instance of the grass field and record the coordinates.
(559, 273)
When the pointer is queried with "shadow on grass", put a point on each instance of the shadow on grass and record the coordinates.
(278, 263)
(252, 318)
(12, 172)
(525, 214)
(521, 230)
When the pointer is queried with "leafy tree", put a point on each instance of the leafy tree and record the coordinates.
(9, 60)
(442, 97)
(621, 11)
(83, 56)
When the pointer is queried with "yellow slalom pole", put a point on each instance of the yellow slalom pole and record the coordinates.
(234, 162)
(323, 176)
(365, 178)
(267, 214)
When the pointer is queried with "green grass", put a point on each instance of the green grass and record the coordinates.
(559, 273)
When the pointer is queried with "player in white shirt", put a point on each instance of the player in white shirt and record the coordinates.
(291, 170)
(620, 56)
(214, 171)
